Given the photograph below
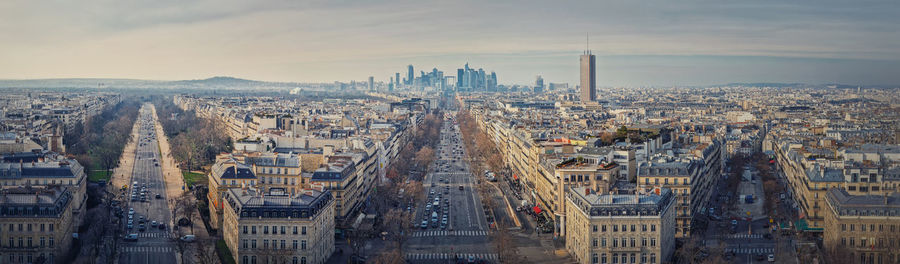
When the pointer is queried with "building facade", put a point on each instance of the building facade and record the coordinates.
(278, 227)
(865, 228)
(36, 224)
(615, 228)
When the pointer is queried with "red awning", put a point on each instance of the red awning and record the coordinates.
(537, 210)
(515, 176)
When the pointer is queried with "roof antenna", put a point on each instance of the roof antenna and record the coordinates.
(587, 47)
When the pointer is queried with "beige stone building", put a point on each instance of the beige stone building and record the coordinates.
(616, 228)
(678, 176)
(36, 224)
(279, 227)
(580, 172)
(866, 227)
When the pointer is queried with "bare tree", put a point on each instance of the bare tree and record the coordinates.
(394, 256)
(206, 251)
(504, 245)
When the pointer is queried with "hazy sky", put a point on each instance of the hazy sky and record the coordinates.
(647, 42)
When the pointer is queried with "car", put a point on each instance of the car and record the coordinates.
(460, 187)
(771, 258)
(760, 257)
(153, 224)
(424, 224)
(130, 211)
(129, 226)
(130, 221)
(188, 238)
(131, 237)
(161, 226)
(158, 196)
(142, 227)
(734, 222)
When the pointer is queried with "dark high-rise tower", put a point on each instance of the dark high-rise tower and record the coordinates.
(410, 76)
(588, 77)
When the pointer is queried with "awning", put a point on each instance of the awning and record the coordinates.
(515, 176)
(537, 210)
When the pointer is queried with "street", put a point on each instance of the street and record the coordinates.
(148, 226)
(451, 221)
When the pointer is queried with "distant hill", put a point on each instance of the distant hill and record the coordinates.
(220, 80)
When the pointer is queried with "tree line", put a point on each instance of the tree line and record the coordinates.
(101, 139)
(195, 141)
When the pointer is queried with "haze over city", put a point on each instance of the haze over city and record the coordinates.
(638, 43)
(452, 132)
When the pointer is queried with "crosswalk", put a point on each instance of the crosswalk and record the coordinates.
(745, 236)
(424, 256)
(155, 234)
(751, 250)
(147, 249)
(449, 233)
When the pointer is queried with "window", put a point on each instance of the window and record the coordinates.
(852, 228)
(282, 230)
(643, 257)
(51, 227)
(652, 257)
(633, 229)
(862, 228)
(303, 230)
(644, 243)
(633, 258)
(624, 258)
(282, 243)
(253, 230)
(265, 229)
(294, 261)
(43, 243)
(42, 227)
(303, 244)
(295, 244)
(245, 229)
(603, 228)
(652, 242)
(603, 242)
(295, 230)
(595, 228)
(652, 228)
(615, 242)
(644, 228)
(253, 243)
(615, 258)
(265, 243)
(615, 228)
(632, 244)
(843, 227)
(595, 258)
(843, 241)
(595, 242)
(50, 241)
(244, 243)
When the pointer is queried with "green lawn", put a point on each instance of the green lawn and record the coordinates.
(191, 178)
(224, 253)
(97, 175)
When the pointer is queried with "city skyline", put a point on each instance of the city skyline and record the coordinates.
(636, 44)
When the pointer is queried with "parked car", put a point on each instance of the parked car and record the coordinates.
(131, 237)
(188, 238)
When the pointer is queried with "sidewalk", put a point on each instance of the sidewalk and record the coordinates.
(122, 174)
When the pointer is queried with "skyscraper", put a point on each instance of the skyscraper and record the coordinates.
(371, 83)
(397, 79)
(539, 84)
(588, 78)
(410, 76)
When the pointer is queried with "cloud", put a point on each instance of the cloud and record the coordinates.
(342, 40)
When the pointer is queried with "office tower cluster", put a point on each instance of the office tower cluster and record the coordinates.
(472, 80)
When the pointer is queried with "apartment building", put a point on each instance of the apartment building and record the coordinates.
(350, 176)
(678, 176)
(36, 224)
(581, 172)
(620, 228)
(277, 227)
(866, 227)
(47, 171)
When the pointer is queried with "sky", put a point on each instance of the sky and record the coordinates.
(637, 43)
